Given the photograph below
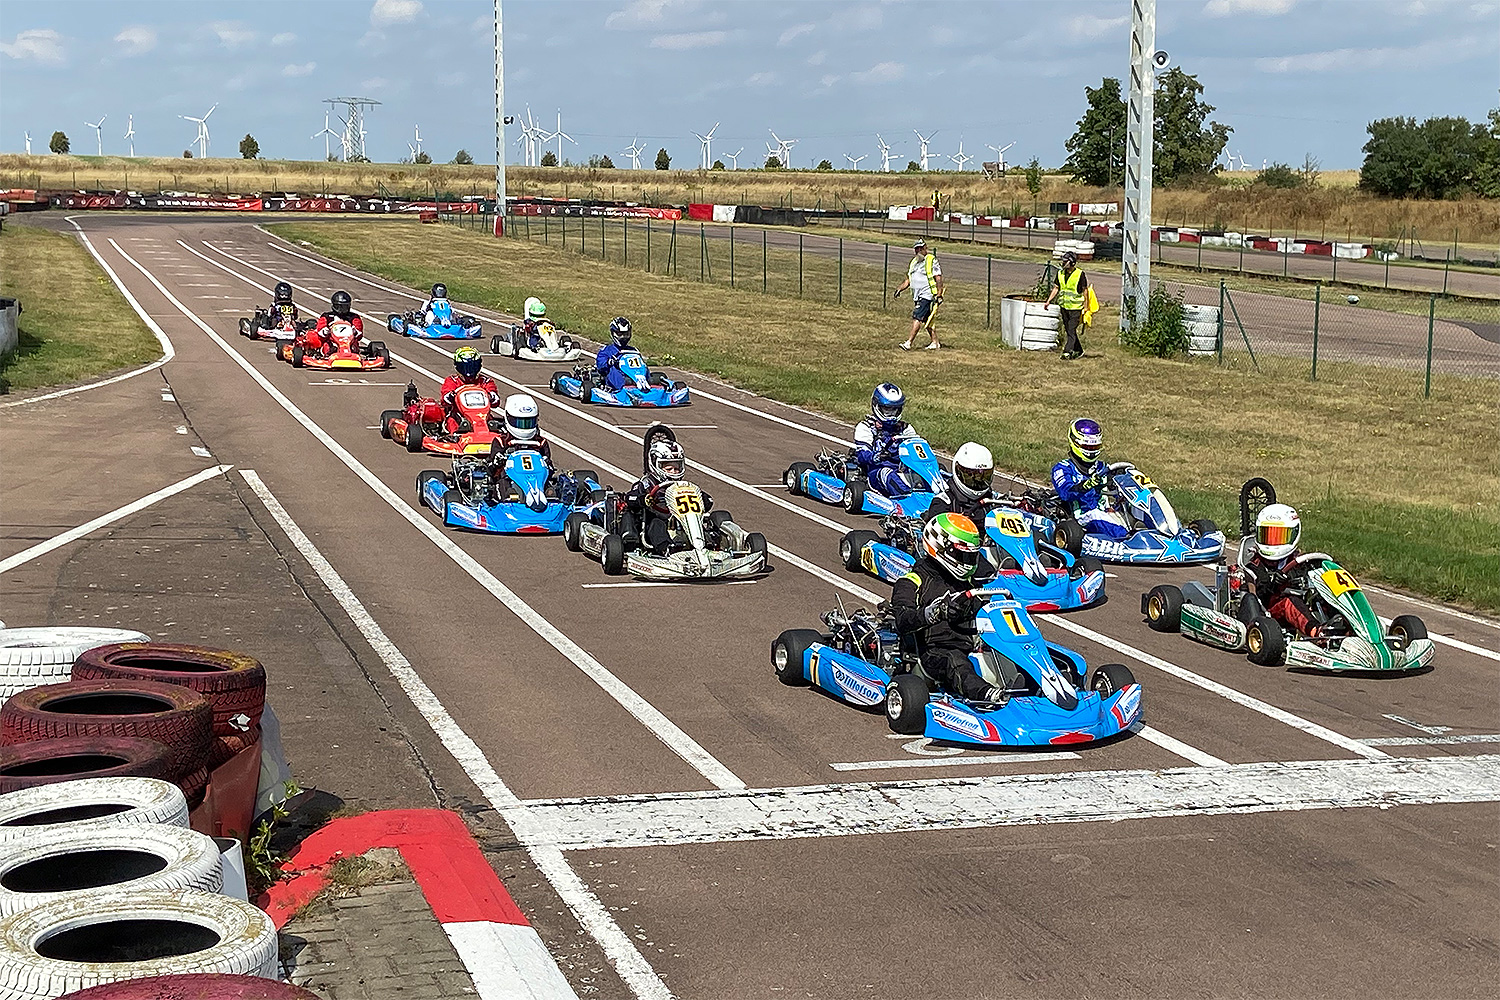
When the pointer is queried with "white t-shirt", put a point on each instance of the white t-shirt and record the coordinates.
(923, 274)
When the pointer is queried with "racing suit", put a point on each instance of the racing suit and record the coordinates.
(320, 341)
(1281, 589)
(453, 422)
(943, 636)
(642, 527)
(1080, 486)
(607, 361)
(877, 449)
(279, 314)
(425, 311)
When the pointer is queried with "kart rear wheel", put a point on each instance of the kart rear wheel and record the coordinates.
(792, 477)
(612, 555)
(658, 379)
(296, 355)
(1069, 536)
(281, 350)
(581, 478)
(1265, 642)
(787, 653)
(495, 344)
(852, 547)
(386, 416)
(414, 436)
(556, 382)
(906, 698)
(1203, 526)
(853, 499)
(1108, 678)
(573, 530)
(586, 388)
(424, 476)
(1163, 608)
(379, 350)
(1409, 626)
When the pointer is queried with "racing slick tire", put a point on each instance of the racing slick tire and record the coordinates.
(1163, 608)
(716, 518)
(495, 343)
(1265, 642)
(586, 388)
(792, 477)
(612, 554)
(281, 347)
(1069, 536)
(445, 501)
(852, 547)
(386, 416)
(379, 350)
(245, 326)
(390, 323)
(573, 530)
(233, 683)
(93, 804)
(658, 379)
(1108, 678)
(756, 543)
(44, 762)
(1203, 526)
(853, 500)
(1084, 565)
(297, 353)
(787, 651)
(582, 476)
(414, 436)
(425, 475)
(906, 698)
(1255, 495)
(555, 382)
(1408, 626)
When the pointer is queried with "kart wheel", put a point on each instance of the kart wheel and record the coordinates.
(573, 530)
(379, 350)
(906, 698)
(566, 343)
(787, 653)
(1084, 565)
(581, 478)
(1203, 526)
(716, 518)
(1069, 536)
(756, 543)
(853, 499)
(658, 379)
(1107, 678)
(555, 382)
(515, 349)
(244, 327)
(586, 388)
(1409, 627)
(386, 416)
(414, 436)
(852, 547)
(612, 555)
(423, 477)
(281, 350)
(1163, 607)
(495, 344)
(1265, 642)
(296, 355)
(792, 477)
(1255, 495)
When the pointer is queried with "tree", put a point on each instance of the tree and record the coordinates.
(1096, 150)
(663, 161)
(913, 167)
(462, 157)
(1310, 171)
(1440, 158)
(549, 159)
(1279, 176)
(603, 162)
(772, 163)
(187, 154)
(59, 143)
(1487, 169)
(249, 148)
(422, 158)
(1034, 177)
(718, 165)
(1185, 143)
(824, 165)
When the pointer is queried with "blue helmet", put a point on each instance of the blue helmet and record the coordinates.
(1086, 439)
(886, 403)
(619, 331)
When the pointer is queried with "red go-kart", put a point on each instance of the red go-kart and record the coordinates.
(422, 425)
(350, 350)
(260, 327)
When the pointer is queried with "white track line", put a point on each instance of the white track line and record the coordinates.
(995, 758)
(660, 726)
(73, 534)
(586, 908)
(1432, 741)
(1431, 606)
(1172, 745)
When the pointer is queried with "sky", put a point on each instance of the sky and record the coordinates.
(1292, 77)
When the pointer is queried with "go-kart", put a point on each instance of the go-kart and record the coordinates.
(445, 325)
(421, 424)
(642, 386)
(513, 492)
(1155, 533)
(1040, 575)
(554, 345)
(835, 478)
(704, 545)
(350, 350)
(260, 327)
(1229, 616)
(1051, 697)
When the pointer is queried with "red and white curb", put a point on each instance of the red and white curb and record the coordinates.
(501, 950)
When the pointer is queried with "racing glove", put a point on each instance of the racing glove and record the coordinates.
(962, 608)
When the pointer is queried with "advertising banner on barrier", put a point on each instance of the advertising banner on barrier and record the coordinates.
(90, 201)
(591, 211)
(200, 202)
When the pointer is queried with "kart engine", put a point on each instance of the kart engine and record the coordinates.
(863, 634)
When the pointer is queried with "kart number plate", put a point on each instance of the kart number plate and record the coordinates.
(1014, 621)
(1339, 582)
(474, 398)
(1011, 524)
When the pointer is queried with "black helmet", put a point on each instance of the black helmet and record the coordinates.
(440, 291)
(342, 304)
(467, 362)
(283, 294)
(619, 330)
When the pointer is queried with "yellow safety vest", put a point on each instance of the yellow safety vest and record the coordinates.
(1068, 296)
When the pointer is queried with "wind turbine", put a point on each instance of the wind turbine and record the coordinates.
(417, 149)
(327, 134)
(28, 143)
(130, 133)
(960, 157)
(885, 154)
(734, 158)
(854, 160)
(634, 151)
(202, 138)
(1000, 155)
(924, 140)
(706, 139)
(783, 151)
(560, 135)
(98, 132)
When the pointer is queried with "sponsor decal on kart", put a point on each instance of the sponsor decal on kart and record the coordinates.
(1127, 707)
(867, 559)
(858, 690)
(963, 723)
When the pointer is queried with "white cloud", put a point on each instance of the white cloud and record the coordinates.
(818, 58)
(40, 44)
(761, 80)
(689, 40)
(298, 69)
(1084, 26)
(232, 34)
(394, 11)
(794, 32)
(639, 14)
(285, 38)
(865, 17)
(1228, 8)
(828, 80)
(884, 72)
(1337, 60)
(373, 83)
(137, 39)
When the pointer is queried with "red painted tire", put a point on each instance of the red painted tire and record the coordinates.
(233, 683)
(44, 762)
(174, 716)
(194, 987)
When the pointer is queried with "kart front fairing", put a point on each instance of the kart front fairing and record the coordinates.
(640, 388)
(445, 325)
(1367, 647)
(918, 463)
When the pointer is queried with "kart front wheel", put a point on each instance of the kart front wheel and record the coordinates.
(1109, 678)
(555, 383)
(1069, 536)
(244, 327)
(1408, 627)
(612, 555)
(386, 416)
(792, 477)
(582, 477)
(1163, 608)
(1203, 526)
(414, 437)
(495, 344)
(906, 698)
(756, 543)
(573, 531)
(1084, 565)
(852, 547)
(787, 653)
(1265, 642)
(853, 499)
(423, 477)
(297, 355)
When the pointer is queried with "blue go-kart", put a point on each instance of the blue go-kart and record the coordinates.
(643, 387)
(1050, 696)
(446, 324)
(835, 478)
(1040, 575)
(510, 492)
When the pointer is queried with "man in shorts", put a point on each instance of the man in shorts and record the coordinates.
(925, 279)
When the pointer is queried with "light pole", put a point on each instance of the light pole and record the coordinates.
(499, 127)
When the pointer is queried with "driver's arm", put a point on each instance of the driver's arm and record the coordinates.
(866, 446)
(906, 603)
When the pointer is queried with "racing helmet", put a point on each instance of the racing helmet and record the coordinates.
(1086, 439)
(619, 331)
(282, 295)
(521, 417)
(953, 541)
(536, 309)
(467, 362)
(886, 403)
(341, 303)
(665, 462)
(1277, 531)
(440, 291)
(973, 466)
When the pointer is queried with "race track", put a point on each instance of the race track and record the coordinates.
(664, 808)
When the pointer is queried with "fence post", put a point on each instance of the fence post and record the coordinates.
(1286, 253)
(989, 272)
(763, 261)
(1447, 259)
(1200, 252)
(702, 251)
(1221, 316)
(1387, 257)
(1431, 312)
(841, 270)
(731, 256)
(625, 232)
(1335, 265)
(885, 280)
(602, 224)
(1317, 308)
(672, 249)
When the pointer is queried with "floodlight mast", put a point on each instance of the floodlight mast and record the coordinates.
(499, 126)
(1135, 258)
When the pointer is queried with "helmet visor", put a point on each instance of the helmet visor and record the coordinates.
(974, 480)
(522, 423)
(469, 367)
(888, 411)
(670, 468)
(1276, 534)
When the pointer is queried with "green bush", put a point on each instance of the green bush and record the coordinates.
(1165, 332)
(1279, 175)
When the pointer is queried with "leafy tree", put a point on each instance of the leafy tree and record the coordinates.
(1439, 158)
(59, 143)
(772, 163)
(333, 158)
(187, 154)
(1487, 169)
(422, 158)
(663, 161)
(1185, 142)
(462, 157)
(913, 167)
(718, 165)
(825, 165)
(549, 159)
(249, 148)
(1096, 150)
(1280, 176)
(1034, 177)
(601, 162)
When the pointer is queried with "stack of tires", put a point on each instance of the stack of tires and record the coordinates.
(1204, 329)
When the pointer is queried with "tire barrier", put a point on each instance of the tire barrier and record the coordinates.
(48, 762)
(1204, 329)
(195, 987)
(81, 864)
(90, 803)
(234, 684)
(31, 657)
(1028, 326)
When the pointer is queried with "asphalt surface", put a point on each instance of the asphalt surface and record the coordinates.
(1255, 863)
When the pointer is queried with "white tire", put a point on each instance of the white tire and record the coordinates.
(91, 803)
(71, 944)
(31, 657)
(88, 862)
(1201, 314)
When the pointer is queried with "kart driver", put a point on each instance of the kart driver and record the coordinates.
(1280, 586)
(607, 361)
(1080, 480)
(439, 294)
(970, 491)
(340, 310)
(467, 371)
(282, 307)
(642, 527)
(931, 610)
(877, 442)
(536, 315)
(523, 426)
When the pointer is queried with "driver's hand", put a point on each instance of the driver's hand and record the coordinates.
(962, 607)
(937, 610)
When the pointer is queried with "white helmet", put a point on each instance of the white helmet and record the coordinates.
(535, 308)
(1277, 531)
(665, 462)
(973, 467)
(521, 417)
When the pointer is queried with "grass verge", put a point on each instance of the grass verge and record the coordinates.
(1402, 490)
(74, 324)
